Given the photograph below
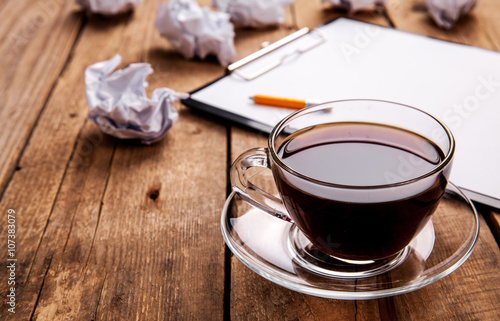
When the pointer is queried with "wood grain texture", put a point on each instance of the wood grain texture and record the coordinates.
(465, 294)
(158, 235)
(160, 211)
(164, 249)
(493, 219)
(71, 290)
(480, 28)
(313, 14)
(74, 283)
(45, 164)
(36, 39)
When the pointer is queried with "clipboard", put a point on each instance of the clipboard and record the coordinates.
(348, 59)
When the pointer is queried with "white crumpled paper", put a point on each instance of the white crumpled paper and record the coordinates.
(119, 106)
(355, 5)
(254, 13)
(196, 31)
(109, 7)
(446, 12)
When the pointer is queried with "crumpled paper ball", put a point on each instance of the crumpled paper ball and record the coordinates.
(254, 13)
(119, 106)
(446, 12)
(355, 5)
(196, 31)
(108, 7)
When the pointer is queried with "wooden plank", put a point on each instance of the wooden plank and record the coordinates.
(3, 4)
(180, 229)
(254, 298)
(41, 238)
(44, 236)
(471, 292)
(36, 39)
(154, 250)
(69, 289)
(480, 28)
(313, 14)
(163, 254)
(493, 219)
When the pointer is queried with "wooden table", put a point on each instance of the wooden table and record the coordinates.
(113, 230)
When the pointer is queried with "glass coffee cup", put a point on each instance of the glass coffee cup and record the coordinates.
(359, 179)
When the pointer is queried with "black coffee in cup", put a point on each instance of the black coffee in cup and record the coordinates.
(357, 208)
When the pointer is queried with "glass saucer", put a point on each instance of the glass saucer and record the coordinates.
(265, 244)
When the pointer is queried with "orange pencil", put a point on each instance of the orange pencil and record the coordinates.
(282, 102)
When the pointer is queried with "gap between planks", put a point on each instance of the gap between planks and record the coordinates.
(100, 207)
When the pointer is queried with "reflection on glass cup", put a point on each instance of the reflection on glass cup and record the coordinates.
(359, 178)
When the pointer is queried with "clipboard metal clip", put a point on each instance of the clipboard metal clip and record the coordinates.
(234, 68)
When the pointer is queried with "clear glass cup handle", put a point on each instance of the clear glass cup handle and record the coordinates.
(256, 157)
